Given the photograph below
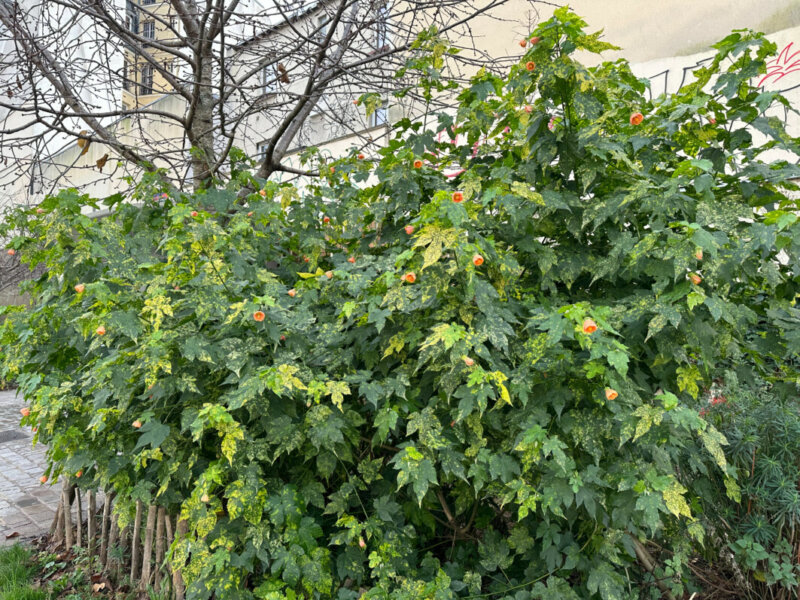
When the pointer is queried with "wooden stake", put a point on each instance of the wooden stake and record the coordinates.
(147, 554)
(168, 527)
(159, 548)
(79, 525)
(167, 563)
(137, 528)
(91, 525)
(104, 527)
(54, 525)
(113, 536)
(67, 516)
(177, 579)
(58, 533)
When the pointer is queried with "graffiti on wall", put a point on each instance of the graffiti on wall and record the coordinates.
(663, 83)
(784, 64)
(778, 77)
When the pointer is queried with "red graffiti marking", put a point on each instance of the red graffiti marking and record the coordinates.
(781, 66)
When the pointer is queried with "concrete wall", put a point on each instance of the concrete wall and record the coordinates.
(649, 30)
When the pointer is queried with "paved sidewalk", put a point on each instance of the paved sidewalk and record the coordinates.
(26, 506)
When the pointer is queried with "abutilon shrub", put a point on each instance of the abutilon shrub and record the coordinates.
(516, 420)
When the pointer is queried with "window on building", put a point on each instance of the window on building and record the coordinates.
(146, 86)
(131, 17)
(269, 80)
(173, 23)
(382, 26)
(323, 24)
(262, 151)
(379, 117)
(126, 74)
(149, 30)
(148, 1)
(171, 66)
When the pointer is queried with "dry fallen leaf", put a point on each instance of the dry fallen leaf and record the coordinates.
(12, 535)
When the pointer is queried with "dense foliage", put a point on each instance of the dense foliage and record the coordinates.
(759, 537)
(407, 382)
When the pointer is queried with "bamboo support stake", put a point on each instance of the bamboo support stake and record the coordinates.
(181, 530)
(137, 527)
(160, 526)
(113, 536)
(147, 554)
(168, 528)
(167, 562)
(58, 533)
(54, 526)
(67, 517)
(91, 525)
(104, 527)
(79, 524)
(124, 534)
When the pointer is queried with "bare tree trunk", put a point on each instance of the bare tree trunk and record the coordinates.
(137, 526)
(65, 500)
(201, 131)
(147, 554)
(160, 526)
(91, 525)
(177, 578)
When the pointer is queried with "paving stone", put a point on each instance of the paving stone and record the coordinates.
(26, 506)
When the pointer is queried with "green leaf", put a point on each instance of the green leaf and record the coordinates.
(416, 470)
(713, 440)
(153, 433)
(337, 390)
(503, 467)
(446, 333)
(385, 421)
(675, 501)
(126, 323)
(618, 360)
(605, 581)
(648, 416)
(435, 240)
(688, 376)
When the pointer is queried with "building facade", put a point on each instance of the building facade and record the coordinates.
(155, 21)
(664, 43)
